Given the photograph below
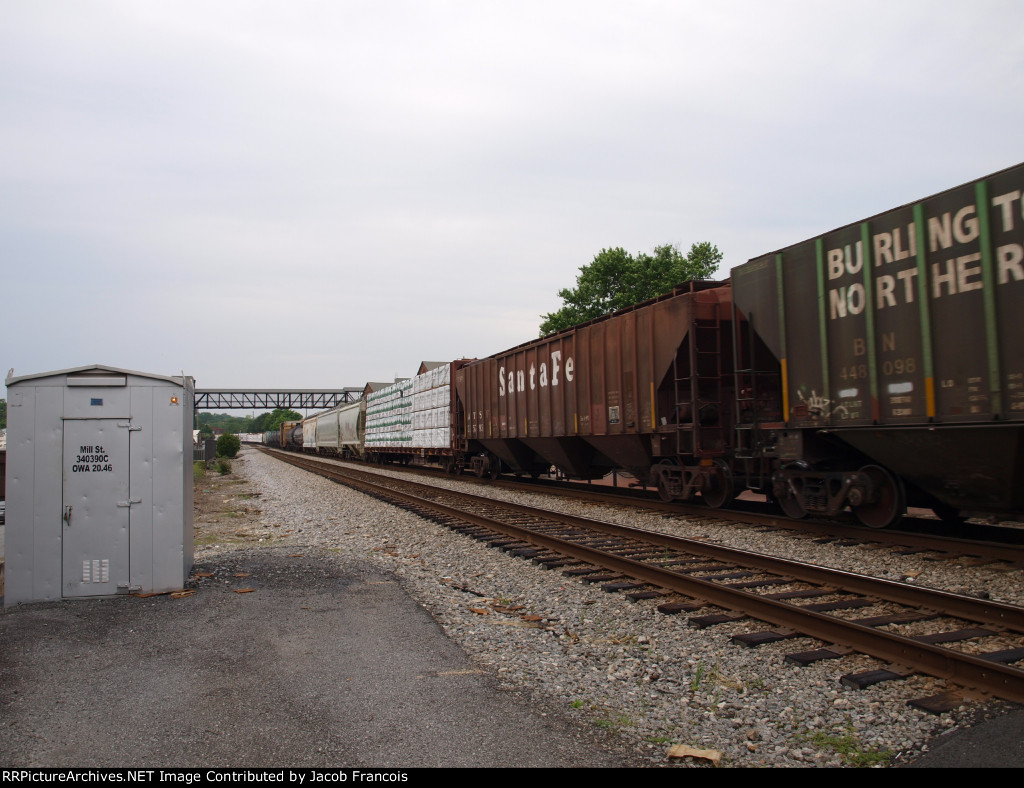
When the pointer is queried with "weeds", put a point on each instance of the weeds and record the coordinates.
(848, 747)
(698, 676)
(712, 674)
(614, 722)
(659, 739)
(210, 539)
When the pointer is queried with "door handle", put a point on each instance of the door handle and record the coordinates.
(67, 514)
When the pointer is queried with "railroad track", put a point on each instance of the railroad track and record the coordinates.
(970, 642)
(931, 535)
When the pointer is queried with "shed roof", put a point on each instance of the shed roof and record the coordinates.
(93, 368)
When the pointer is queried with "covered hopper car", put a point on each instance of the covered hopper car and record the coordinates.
(648, 389)
(338, 432)
(896, 346)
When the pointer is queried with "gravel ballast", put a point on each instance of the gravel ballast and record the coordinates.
(621, 666)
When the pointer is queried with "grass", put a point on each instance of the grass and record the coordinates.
(705, 674)
(198, 471)
(614, 722)
(611, 721)
(849, 748)
(204, 541)
(659, 739)
(757, 683)
(698, 676)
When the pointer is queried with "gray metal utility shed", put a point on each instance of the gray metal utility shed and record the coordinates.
(99, 483)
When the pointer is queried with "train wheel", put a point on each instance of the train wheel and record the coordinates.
(792, 508)
(788, 501)
(890, 504)
(663, 491)
(721, 489)
(495, 470)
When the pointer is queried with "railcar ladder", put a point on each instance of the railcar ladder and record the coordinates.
(700, 392)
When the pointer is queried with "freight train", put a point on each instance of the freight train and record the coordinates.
(876, 366)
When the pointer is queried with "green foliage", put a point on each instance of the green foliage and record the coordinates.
(3, 414)
(848, 747)
(223, 466)
(228, 445)
(198, 471)
(207, 422)
(615, 279)
(276, 419)
(698, 676)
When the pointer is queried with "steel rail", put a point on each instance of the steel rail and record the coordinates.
(898, 538)
(940, 543)
(964, 669)
(980, 610)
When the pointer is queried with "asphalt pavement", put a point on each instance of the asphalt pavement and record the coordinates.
(322, 664)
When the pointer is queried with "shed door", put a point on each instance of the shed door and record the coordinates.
(96, 507)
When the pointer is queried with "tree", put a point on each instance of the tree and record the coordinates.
(615, 279)
(276, 419)
(228, 445)
(224, 422)
(3, 414)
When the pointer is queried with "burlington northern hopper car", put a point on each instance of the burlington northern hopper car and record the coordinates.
(896, 346)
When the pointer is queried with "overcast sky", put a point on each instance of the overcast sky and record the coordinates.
(318, 193)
